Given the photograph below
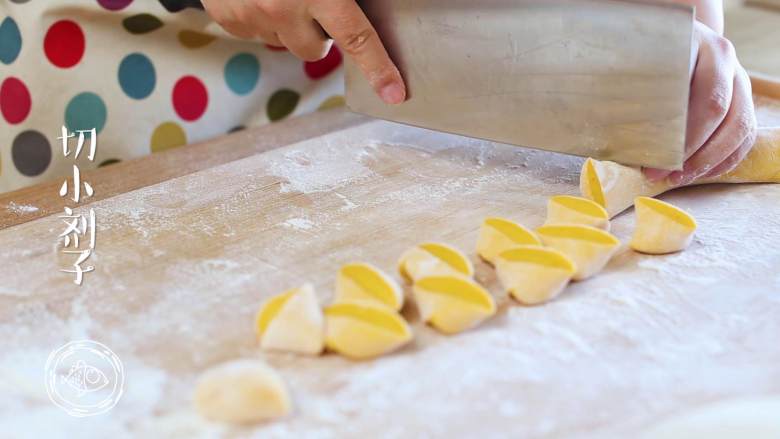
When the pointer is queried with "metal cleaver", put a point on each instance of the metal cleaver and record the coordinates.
(607, 79)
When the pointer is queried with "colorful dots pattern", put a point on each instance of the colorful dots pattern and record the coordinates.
(86, 111)
(31, 153)
(166, 136)
(137, 76)
(15, 101)
(242, 72)
(114, 5)
(195, 40)
(142, 24)
(76, 54)
(64, 44)
(190, 98)
(322, 68)
(180, 5)
(332, 102)
(282, 104)
(10, 41)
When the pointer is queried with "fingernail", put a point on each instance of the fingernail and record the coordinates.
(393, 93)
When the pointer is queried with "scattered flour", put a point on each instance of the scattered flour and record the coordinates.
(320, 169)
(348, 204)
(21, 209)
(299, 224)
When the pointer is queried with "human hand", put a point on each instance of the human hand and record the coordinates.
(721, 117)
(298, 25)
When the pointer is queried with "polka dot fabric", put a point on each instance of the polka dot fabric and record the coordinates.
(148, 75)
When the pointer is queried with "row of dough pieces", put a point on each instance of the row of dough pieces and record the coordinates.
(250, 391)
(364, 320)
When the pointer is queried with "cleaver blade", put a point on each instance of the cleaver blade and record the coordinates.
(607, 79)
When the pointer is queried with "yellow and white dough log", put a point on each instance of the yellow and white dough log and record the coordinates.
(661, 228)
(365, 282)
(452, 304)
(292, 322)
(433, 258)
(534, 275)
(498, 234)
(615, 186)
(362, 330)
(588, 247)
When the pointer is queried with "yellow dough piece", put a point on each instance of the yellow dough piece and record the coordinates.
(566, 209)
(452, 304)
(615, 186)
(433, 258)
(588, 247)
(534, 275)
(499, 234)
(661, 228)
(241, 392)
(361, 330)
(364, 282)
(292, 322)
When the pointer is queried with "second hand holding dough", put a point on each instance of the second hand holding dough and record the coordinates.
(615, 186)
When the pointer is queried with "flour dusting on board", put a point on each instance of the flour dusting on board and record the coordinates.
(21, 209)
(320, 169)
(645, 338)
(299, 224)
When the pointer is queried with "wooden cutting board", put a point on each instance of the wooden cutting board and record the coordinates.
(181, 267)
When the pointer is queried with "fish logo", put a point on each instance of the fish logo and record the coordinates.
(84, 378)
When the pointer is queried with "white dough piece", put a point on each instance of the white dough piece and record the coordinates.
(242, 392)
(757, 418)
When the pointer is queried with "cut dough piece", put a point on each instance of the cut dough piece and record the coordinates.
(433, 258)
(588, 247)
(615, 186)
(566, 209)
(292, 322)
(661, 228)
(452, 304)
(242, 392)
(361, 330)
(499, 234)
(364, 282)
(534, 275)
